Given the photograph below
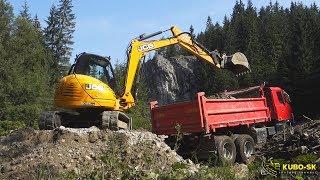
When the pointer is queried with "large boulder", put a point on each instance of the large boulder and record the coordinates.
(172, 80)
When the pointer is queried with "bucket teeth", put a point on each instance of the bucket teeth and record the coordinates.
(243, 73)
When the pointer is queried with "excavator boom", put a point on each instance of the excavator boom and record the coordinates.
(236, 63)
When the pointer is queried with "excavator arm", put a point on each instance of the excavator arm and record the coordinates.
(139, 48)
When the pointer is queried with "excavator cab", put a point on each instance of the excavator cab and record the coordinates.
(95, 66)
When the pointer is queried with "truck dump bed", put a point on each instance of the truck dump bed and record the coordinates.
(207, 115)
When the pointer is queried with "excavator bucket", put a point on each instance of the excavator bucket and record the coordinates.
(237, 63)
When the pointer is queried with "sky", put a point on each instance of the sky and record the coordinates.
(106, 27)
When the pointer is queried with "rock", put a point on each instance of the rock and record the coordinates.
(88, 157)
(241, 171)
(5, 168)
(67, 165)
(93, 136)
(173, 79)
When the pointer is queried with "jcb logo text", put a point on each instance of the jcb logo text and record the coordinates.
(145, 47)
(94, 87)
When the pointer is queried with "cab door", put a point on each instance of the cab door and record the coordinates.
(282, 104)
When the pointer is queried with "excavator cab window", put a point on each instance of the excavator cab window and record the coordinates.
(95, 66)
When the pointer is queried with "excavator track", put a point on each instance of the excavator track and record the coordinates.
(113, 120)
(49, 120)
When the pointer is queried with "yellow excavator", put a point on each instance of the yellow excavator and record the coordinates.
(86, 96)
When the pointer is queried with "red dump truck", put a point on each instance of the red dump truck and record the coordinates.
(227, 129)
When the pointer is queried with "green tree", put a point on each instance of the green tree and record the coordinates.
(27, 87)
(238, 31)
(171, 51)
(6, 20)
(25, 12)
(226, 35)
(36, 23)
(209, 23)
(52, 41)
(58, 37)
(66, 29)
(191, 30)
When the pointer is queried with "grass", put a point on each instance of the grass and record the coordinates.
(7, 126)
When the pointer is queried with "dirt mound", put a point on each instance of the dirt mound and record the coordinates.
(220, 96)
(29, 154)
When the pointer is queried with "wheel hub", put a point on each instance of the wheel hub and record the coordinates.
(248, 149)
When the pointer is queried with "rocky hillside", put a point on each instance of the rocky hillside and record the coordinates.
(172, 80)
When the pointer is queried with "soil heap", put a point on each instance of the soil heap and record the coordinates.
(29, 154)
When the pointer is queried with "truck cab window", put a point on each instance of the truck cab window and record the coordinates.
(280, 97)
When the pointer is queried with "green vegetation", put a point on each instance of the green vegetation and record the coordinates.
(140, 112)
(281, 44)
(7, 126)
(32, 61)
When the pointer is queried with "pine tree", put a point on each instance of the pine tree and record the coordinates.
(58, 37)
(209, 23)
(191, 30)
(6, 20)
(25, 12)
(238, 31)
(28, 91)
(226, 35)
(170, 51)
(253, 47)
(66, 29)
(52, 41)
(36, 23)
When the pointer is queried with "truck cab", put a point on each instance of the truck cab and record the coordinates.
(278, 102)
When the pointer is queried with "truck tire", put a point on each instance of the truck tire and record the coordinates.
(226, 149)
(245, 148)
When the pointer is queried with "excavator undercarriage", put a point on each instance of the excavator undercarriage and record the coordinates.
(113, 120)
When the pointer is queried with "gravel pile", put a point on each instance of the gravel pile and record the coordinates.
(220, 96)
(30, 154)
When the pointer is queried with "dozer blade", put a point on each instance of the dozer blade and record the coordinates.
(237, 63)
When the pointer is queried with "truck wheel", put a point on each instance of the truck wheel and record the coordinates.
(226, 149)
(245, 148)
